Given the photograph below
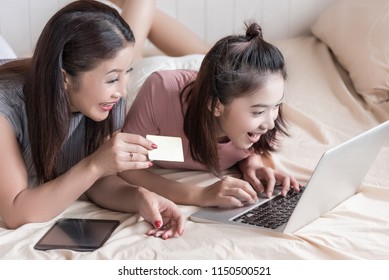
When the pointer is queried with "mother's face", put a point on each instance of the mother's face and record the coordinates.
(95, 92)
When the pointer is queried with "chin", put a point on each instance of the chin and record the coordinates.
(244, 146)
(99, 118)
(248, 147)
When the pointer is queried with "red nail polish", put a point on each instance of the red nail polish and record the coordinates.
(157, 224)
(154, 146)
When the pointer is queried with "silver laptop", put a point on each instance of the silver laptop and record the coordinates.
(336, 177)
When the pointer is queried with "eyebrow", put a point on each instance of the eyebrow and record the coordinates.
(119, 70)
(267, 106)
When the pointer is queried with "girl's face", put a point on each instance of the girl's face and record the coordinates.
(246, 118)
(97, 91)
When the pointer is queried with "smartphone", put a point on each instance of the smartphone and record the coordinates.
(77, 234)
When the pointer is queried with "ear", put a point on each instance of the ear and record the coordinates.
(66, 79)
(218, 109)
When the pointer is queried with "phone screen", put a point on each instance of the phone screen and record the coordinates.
(77, 234)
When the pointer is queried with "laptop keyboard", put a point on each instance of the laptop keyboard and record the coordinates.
(273, 213)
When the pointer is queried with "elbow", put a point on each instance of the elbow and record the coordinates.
(16, 221)
(11, 223)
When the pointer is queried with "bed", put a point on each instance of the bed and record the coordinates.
(338, 87)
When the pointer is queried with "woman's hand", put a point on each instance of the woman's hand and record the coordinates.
(162, 213)
(123, 151)
(264, 177)
(228, 192)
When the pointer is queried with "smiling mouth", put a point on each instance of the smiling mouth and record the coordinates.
(254, 137)
(251, 134)
(108, 106)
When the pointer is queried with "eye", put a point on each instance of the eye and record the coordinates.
(258, 113)
(113, 81)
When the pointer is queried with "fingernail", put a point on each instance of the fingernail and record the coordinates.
(166, 237)
(154, 146)
(157, 224)
(181, 232)
(150, 164)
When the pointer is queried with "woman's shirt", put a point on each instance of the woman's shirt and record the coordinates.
(12, 107)
(158, 110)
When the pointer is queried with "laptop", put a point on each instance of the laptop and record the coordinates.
(337, 176)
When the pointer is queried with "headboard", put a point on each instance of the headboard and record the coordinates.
(22, 21)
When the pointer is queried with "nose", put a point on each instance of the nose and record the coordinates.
(124, 90)
(116, 94)
(268, 122)
(121, 91)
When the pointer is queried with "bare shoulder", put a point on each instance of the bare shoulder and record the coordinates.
(13, 175)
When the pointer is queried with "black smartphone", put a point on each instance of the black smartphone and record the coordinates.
(77, 234)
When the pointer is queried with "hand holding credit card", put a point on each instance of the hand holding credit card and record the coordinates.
(169, 148)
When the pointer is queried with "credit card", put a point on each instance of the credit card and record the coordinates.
(169, 148)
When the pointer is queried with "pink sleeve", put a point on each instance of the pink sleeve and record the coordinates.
(140, 118)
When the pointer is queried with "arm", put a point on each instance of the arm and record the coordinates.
(20, 204)
(226, 192)
(113, 193)
(180, 193)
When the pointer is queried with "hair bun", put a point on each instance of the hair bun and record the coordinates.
(253, 30)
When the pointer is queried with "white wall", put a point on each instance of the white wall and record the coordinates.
(213, 19)
(21, 21)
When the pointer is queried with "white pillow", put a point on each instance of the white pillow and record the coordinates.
(111, 4)
(6, 51)
(148, 65)
(357, 31)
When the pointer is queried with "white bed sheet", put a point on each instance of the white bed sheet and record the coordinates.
(323, 110)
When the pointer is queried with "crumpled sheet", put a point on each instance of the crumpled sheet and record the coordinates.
(322, 110)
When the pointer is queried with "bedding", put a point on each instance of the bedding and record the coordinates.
(357, 32)
(323, 109)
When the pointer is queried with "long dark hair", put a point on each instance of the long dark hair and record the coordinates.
(76, 39)
(235, 66)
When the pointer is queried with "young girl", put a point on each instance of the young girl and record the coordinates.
(227, 113)
(58, 115)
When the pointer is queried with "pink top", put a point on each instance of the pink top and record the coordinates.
(157, 110)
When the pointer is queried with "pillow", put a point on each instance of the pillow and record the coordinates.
(148, 65)
(357, 32)
(5, 50)
(111, 4)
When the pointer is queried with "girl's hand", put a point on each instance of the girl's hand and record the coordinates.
(162, 213)
(228, 192)
(265, 178)
(123, 151)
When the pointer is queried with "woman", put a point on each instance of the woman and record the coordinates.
(59, 112)
(228, 113)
